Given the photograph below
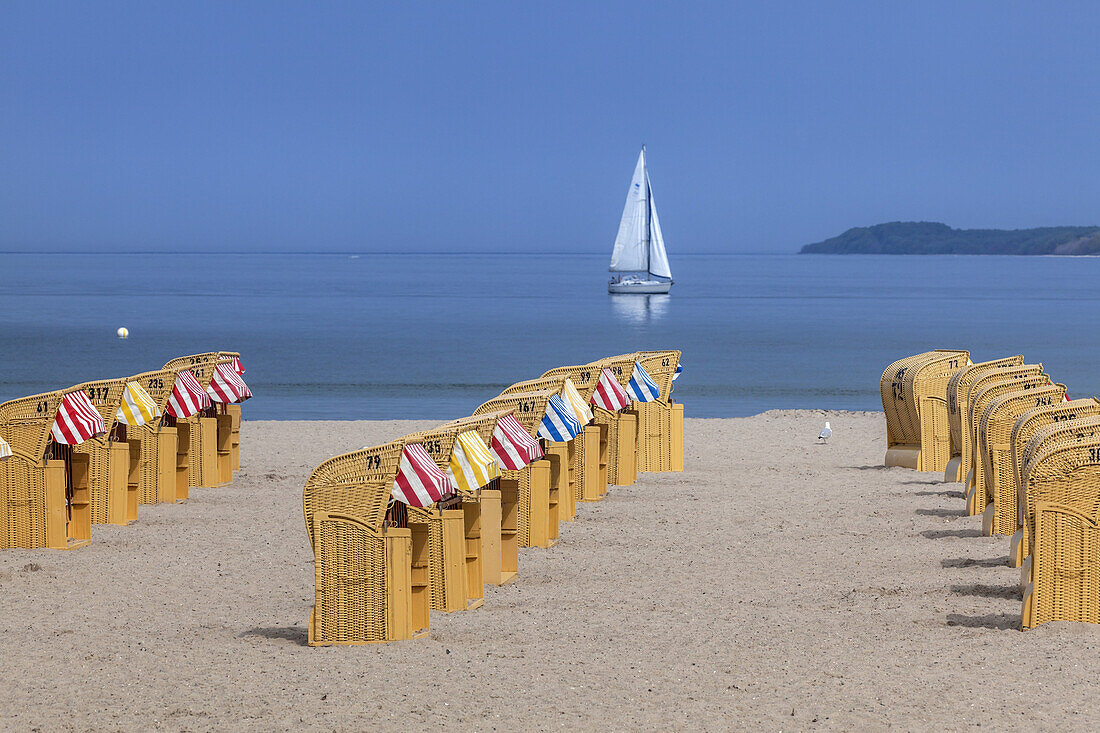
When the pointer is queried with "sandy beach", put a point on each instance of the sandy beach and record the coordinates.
(774, 583)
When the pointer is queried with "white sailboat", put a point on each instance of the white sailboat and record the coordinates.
(639, 258)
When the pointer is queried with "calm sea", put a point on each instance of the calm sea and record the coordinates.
(433, 336)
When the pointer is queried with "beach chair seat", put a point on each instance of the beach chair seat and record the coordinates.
(982, 392)
(203, 426)
(591, 452)
(1061, 433)
(45, 495)
(157, 446)
(995, 451)
(108, 456)
(536, 495)
(621, 443)
(454, 524)
(1063, 487)
(662, 420)
(33, 504)
(366, 584)
(1026, 427)
(914, 398)
(958, 389)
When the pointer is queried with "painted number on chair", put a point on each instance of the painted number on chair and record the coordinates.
(97, 393)
(42, 407)
(526, 406)
(1094, 455)
(435, 447)
(1063, 418)
(585, 377)
(1041, 401)
(373, 462)
(156, 383)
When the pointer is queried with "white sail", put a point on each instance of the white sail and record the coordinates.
(658, 258)
(631, 245)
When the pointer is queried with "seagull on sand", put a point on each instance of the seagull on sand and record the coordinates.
(826, 433)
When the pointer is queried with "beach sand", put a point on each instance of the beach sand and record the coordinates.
(775, 583)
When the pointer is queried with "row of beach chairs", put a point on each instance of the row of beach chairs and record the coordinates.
(93, 453)
(423, 522)
(1029, 460)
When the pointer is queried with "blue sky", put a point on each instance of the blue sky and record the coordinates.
(514, 126)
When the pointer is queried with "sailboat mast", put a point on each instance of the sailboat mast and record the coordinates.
(648, 225)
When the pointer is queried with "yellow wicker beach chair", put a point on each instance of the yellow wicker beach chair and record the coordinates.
(983, 391)
(622, 427)
(1063, 487)
(108, 456)
(995, 452)
(561, 457)
(204, 430)
(661, 421)
(958, 390)
(485, 562)
(914, 398)
(445, 525)
(232, 430)
(368, 586)
(1026, 427)
(44, 492)
(163, 462)
(536, 496)
(591, 453)
(1062, 433)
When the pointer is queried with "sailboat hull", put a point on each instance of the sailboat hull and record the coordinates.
(639, 287)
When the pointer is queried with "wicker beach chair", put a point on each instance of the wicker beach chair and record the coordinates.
(561, 457)
(485, 562)
(234, 423)
(535, 494)
(369, 587)
(445, 524)
(162, 469)
(622, 426)
(1063, 488)
(958, 391)
(1026, 427)
(591, 454)
(203, 428)
(914, 398)
(983, 391)
(662, 420)
(108, 456)
(44, 487)
(995, 452)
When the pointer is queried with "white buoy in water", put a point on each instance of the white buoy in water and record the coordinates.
(123, 332)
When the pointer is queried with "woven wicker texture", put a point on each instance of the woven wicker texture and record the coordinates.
(661, 366)
(27, 421)
(527, 407)
(201, 365)
(978, 382)
(988, 391)
(914, 398)
(958, 394)
(438, 442)
(585, 377)
(350, 599)
(995, 451)
(1030, 422)
(1063, 487)
(1047, 439)
(106, 482)
(483, 425)
(554, 384)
